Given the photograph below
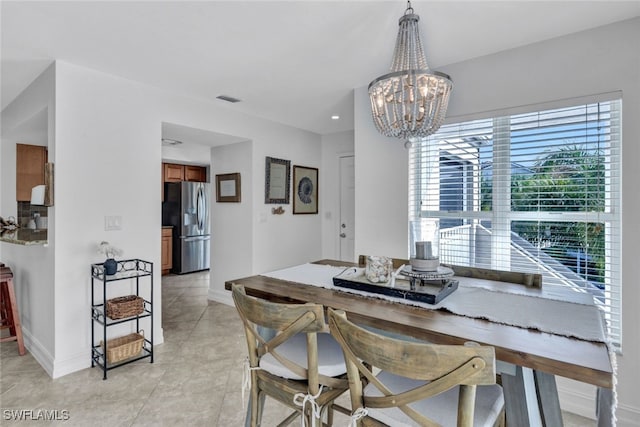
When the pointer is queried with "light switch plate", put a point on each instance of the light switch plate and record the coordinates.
(112, 223)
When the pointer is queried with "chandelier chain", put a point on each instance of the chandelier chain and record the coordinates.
(409, 8)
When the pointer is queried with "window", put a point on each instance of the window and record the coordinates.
(535, 192)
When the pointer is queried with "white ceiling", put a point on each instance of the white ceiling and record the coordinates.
(294, 62)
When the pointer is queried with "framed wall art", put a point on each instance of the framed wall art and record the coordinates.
(305, 189)
(228, 187)
(276, 181)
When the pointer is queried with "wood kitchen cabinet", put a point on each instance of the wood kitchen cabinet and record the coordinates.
(30, 162)
(195, 173)
(174, 172)
(167, 250)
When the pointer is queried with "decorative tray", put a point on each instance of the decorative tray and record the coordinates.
(430, 293)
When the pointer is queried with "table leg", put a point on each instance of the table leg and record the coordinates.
(548, 401)
(521, 399)
(604, 407)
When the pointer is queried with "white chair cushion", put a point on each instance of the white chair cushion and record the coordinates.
(442, 408)
(330, 358)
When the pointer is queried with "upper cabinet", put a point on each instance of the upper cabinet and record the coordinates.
(175, 173)
(30, 165)
(195, 173)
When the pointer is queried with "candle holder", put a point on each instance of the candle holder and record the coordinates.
(424, 240)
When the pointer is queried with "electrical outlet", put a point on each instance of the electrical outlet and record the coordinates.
(112, 223)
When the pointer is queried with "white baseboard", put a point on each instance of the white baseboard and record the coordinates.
(627, 416)
(580, 402)
(580, 399)
(221, 296)
(159, 337)
(38, 351)
(76, 362)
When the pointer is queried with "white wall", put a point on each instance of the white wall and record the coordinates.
(334, 145)
(287, 239)
(107, 162)
(232, 223)
(592, 62)
(187, 154)
(32, 266)
(382, 187)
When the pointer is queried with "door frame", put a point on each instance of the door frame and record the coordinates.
(337, 227)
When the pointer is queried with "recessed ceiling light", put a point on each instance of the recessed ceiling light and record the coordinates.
(335, 117)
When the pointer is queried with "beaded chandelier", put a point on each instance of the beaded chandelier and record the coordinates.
(411, 101)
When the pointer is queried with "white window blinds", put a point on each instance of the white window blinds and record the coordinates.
(535, 192)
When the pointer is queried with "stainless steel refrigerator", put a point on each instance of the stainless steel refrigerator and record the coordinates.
(186, 208)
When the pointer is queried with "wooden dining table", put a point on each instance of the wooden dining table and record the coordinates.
(528, 359)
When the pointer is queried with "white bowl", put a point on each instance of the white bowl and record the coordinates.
(424, 264)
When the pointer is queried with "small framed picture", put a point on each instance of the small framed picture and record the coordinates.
(305, 189)
(228, 187)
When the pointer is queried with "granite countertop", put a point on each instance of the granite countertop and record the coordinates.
(24, 236)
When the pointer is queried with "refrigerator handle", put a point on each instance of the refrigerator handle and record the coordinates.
(200, 208)
(196, 238)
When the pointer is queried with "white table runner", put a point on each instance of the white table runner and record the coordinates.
(545, 312)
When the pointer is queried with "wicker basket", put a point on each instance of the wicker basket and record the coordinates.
(127, 306)
(122, 348)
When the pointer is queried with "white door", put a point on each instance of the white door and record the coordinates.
(347, 209)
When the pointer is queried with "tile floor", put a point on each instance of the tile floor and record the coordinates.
(194, 380)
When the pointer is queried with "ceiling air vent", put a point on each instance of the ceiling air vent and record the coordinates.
(228, 98)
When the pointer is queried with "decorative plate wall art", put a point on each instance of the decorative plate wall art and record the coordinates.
(305, 190)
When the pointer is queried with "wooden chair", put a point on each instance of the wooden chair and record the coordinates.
(418, 384)
(300, 364)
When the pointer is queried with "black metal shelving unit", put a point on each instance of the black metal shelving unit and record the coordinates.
(131, 269)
